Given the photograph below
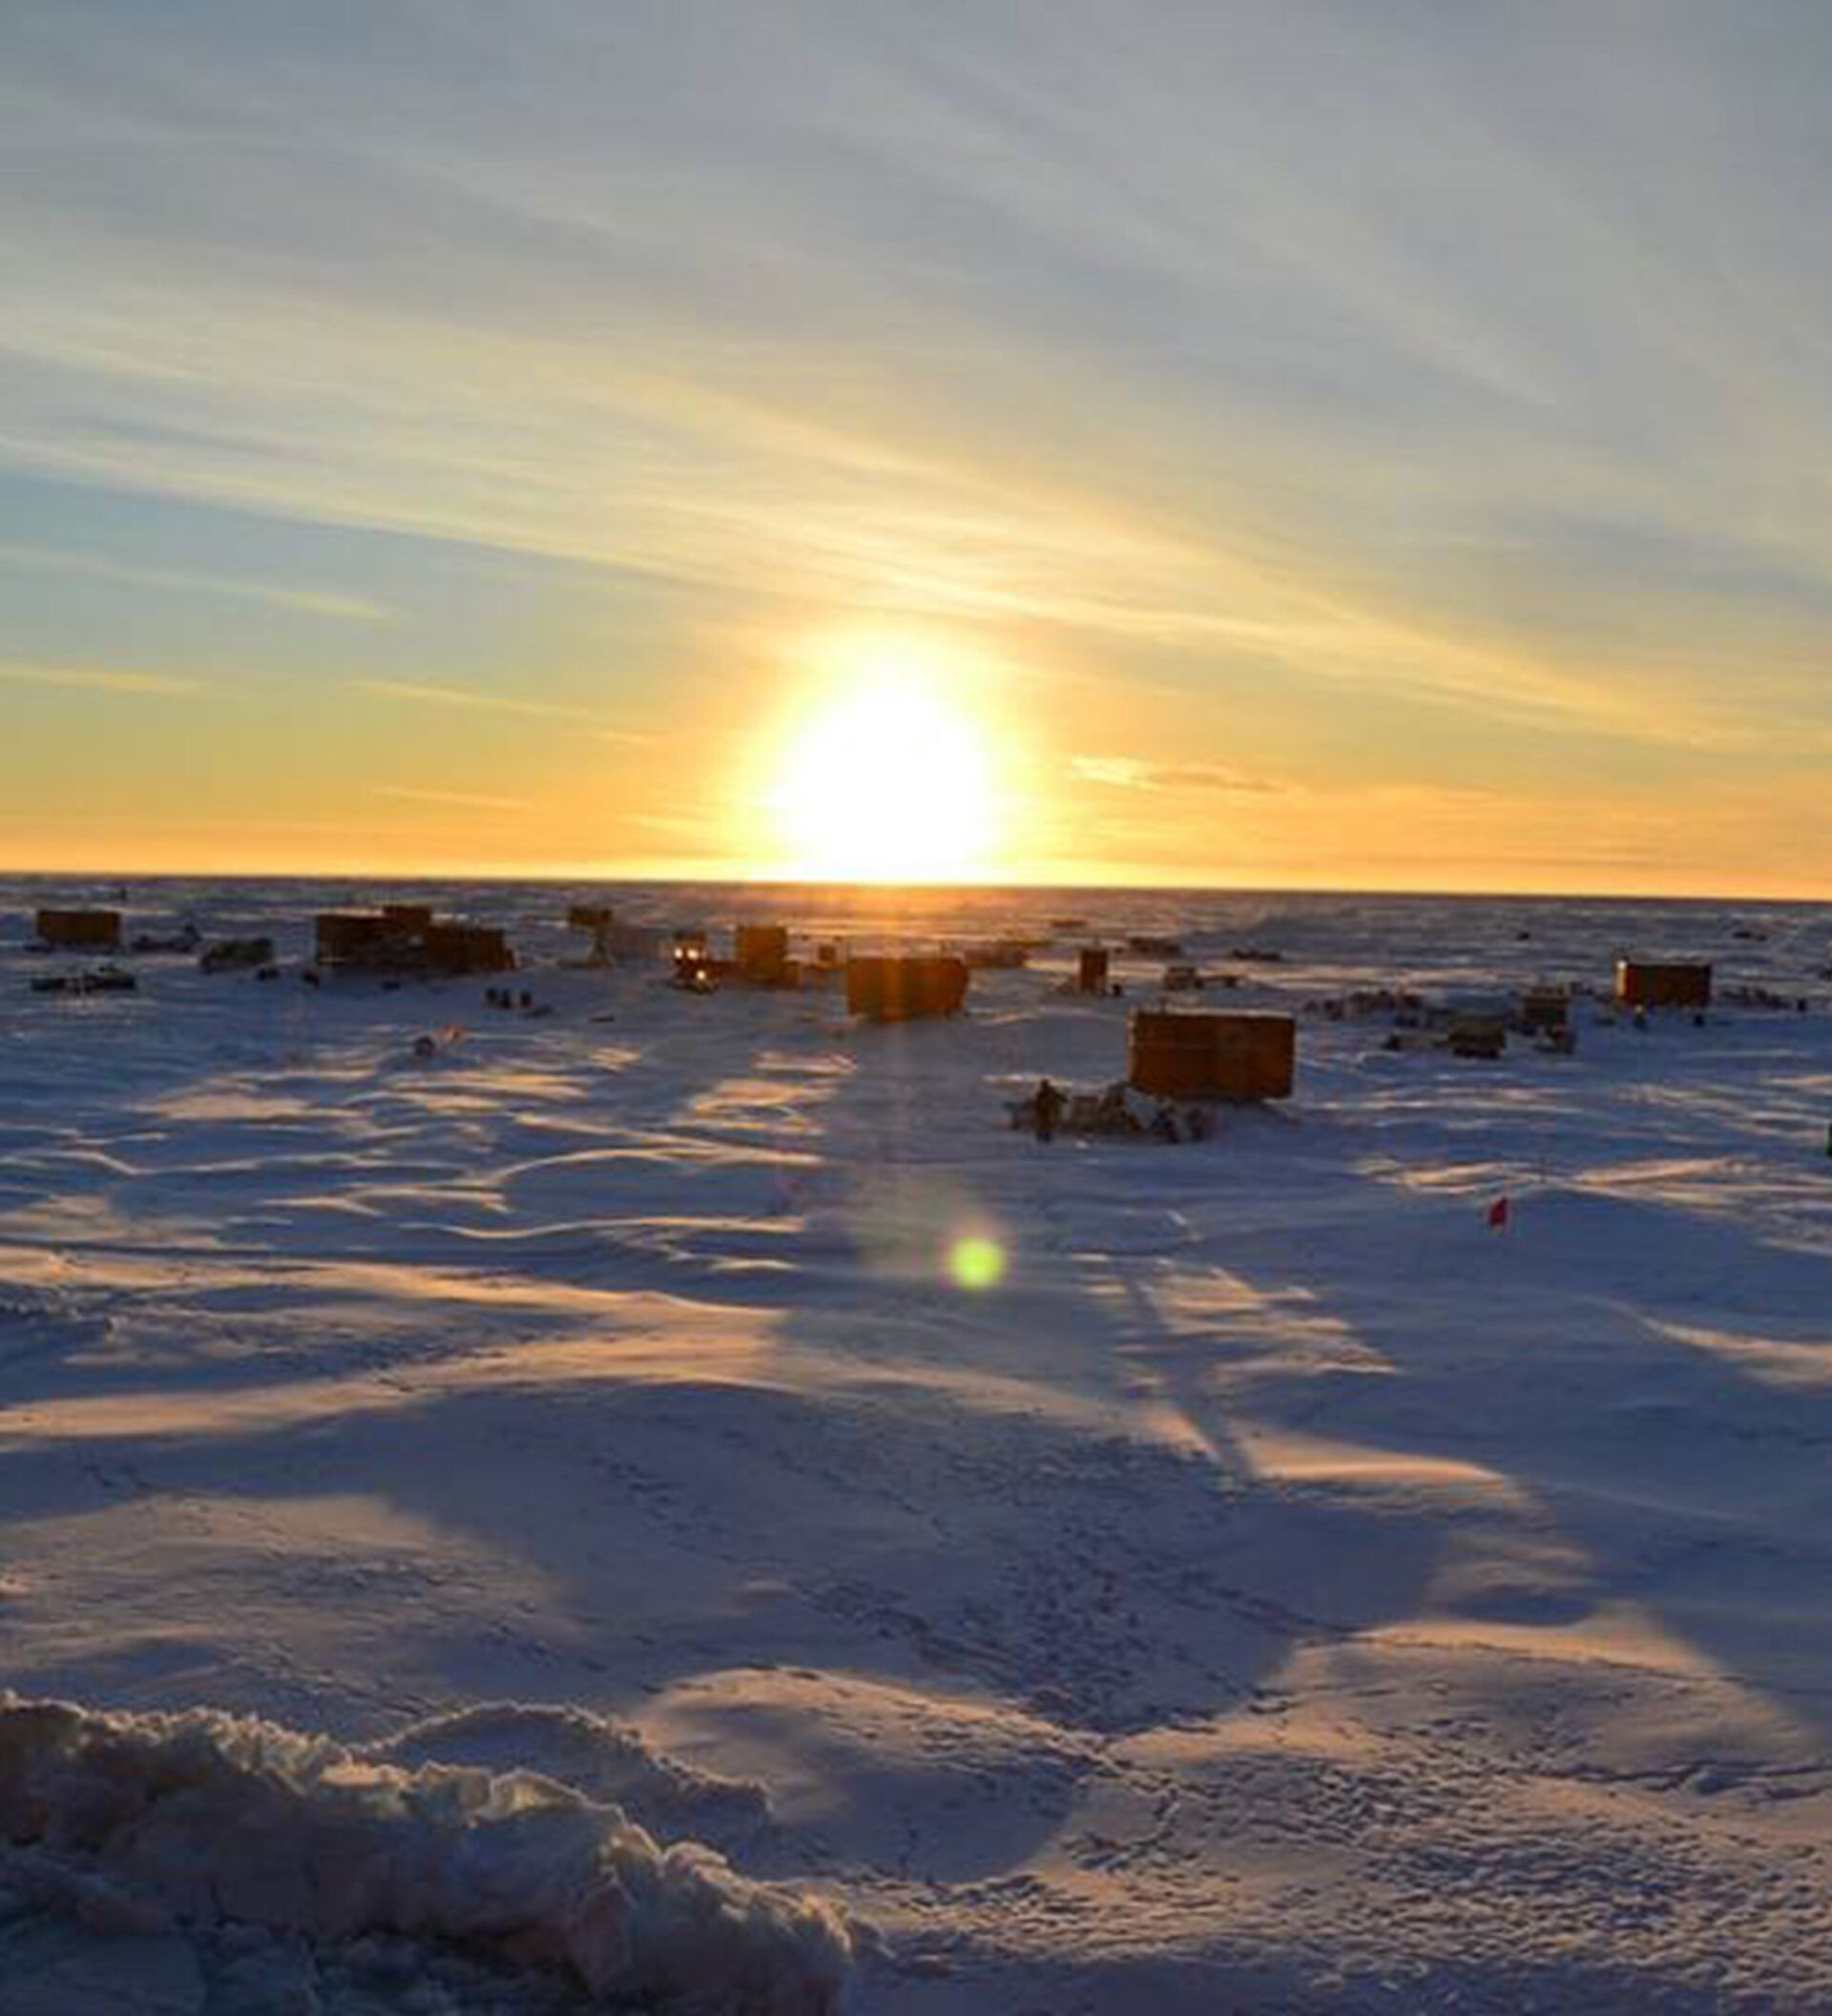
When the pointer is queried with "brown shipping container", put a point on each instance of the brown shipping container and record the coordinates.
(87, 930)
(1213, 1054)
(1091, 971)
(341, 935)
(761, 950)
(467, 948)
(900, 989)
(1642, 983)
(413, 916)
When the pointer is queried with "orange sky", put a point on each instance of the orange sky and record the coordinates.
(1332, 447)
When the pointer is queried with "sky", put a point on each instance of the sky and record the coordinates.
(1377, 445)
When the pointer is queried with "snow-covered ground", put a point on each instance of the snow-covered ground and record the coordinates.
(1279, 1592)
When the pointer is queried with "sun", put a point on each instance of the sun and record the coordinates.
(884, 775)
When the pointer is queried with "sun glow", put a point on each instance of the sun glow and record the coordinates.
(886, 775)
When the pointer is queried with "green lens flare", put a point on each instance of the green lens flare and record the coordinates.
(976, 1262)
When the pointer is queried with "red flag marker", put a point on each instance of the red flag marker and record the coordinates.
(1498, 1215)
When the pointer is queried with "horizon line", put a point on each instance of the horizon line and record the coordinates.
(595, 877)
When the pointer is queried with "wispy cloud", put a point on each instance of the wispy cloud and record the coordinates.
(469, 698)
(190, 581)
(1128, 773)
(100, 678)
(464, 800)
(477, 700)
(1147, 359)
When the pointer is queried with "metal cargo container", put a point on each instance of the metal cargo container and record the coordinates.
(760, 952)
(900, 987)
(1091, 969)
(1211, 1055)
(79, 930)
(1642, 983)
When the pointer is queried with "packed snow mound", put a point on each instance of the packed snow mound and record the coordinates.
(605, 1760)
(209, 1816)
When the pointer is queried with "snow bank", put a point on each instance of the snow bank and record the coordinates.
(212, 1816)
(604, 1761)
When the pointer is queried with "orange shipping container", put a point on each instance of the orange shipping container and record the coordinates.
(1642, 983)
(761, 951)
(467, 948)
(1214, 1054)
(901, 987)
(84, 930)
(340, 936)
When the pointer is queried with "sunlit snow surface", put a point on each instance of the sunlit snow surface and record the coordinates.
(1273, 1590)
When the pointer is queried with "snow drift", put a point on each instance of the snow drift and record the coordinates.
(605, 1760)
(207, 1817)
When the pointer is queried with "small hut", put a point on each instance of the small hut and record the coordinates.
(228, 953)
(79, 930)
(903, 988)
(994, 955)
(1477, 1035)
(1091, 969)
(1545, 1010)
(1669, 984)
(1174, 1053)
